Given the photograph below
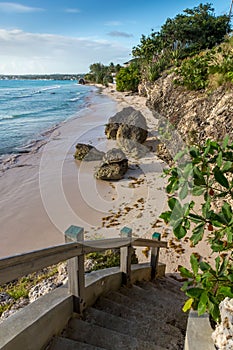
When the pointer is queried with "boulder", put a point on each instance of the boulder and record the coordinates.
(87, 153)
(131, 132)
(131, 121)
(81, 81)
(114, 155)
(132, 148)
(113, 167)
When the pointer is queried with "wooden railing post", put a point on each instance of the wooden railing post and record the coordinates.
(76, 272)
(154, 256)
(125, 257)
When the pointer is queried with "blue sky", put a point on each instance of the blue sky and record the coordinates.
(66, 36)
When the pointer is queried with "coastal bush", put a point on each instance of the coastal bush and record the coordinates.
(128, 78)
(206, 171)
(193, 73)
(209, 69)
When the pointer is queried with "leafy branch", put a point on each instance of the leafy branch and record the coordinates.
(204, 171)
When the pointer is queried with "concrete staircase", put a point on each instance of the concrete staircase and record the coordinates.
(146, 316)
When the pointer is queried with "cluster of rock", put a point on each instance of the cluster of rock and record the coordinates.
(113, 165)
(87, 153)
(223, 334)
(129, 128)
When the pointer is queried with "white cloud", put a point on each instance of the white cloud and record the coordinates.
(12, 7)
(113, 23)
(29, 53)
(72, 10)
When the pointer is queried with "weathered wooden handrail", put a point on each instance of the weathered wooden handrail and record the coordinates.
(20, 265)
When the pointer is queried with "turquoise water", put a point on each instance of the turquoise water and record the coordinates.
(30, 107)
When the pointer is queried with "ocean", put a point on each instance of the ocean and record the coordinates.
(29, 108)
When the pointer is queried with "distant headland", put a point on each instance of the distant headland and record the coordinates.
(42, 77)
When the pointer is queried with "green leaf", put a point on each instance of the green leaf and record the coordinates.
(220, 177)
(188, 169)
(187, 224)
(173, 185)
(226, 291)
(180, 231)
(217, 264)
(223, 267)
(184, 191)
(194, 292)
(206, 209)
(177, 211)
(219, 160)
(204, 266)
(194, 152)
(185, 272)
(225, 142)
(197, 234)
(172, 202)
(194, 264)
(166, 216)
(227, 166)
(198, 190)
(229, 234)
(176, 223)
(188, 304)
(199, 179)
(227, 211)
(201, 309)
(196, 218)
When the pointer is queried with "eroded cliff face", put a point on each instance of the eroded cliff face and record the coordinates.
(197, 115)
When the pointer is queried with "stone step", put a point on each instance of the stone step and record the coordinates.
(157, 309)
(164, 335)
(60, 343)
(167, 285)
(102, 337)
(119, 310)
(158, 303)
(125, 312)
(161, 290)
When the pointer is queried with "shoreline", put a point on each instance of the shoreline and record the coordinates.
(32, 146)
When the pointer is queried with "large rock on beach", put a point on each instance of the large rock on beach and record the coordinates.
(87, 153)
(113, 167)
(132, 125)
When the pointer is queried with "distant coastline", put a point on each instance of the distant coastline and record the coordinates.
(42, 76)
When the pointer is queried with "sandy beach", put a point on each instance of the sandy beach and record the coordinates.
(46, 191)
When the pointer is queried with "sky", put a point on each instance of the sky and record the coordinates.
(66, 36)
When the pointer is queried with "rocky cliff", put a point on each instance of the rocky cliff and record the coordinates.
(196, 115)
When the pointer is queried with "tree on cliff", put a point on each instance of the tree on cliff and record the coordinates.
(193, 30)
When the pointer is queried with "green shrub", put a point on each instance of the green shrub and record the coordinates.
(193, 73)
(128, 78)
